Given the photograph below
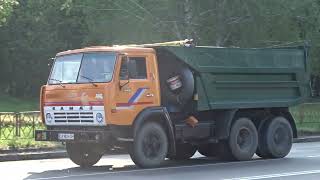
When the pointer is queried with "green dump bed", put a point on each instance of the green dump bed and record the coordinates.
(247, 78)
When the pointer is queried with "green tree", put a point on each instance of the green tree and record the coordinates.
(6, 7)
(36, 30)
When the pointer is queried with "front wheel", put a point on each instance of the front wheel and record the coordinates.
(150, 146)
(84, 154)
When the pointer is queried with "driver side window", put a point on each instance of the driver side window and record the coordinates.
(137, 68)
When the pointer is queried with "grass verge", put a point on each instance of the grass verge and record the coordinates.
(307, 117)
(9, 140)
(18, 143)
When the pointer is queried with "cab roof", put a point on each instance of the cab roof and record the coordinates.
(119, 49)
(129, 48)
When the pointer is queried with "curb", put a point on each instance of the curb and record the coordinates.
(53, 154)
(30, 150)
(32, 155)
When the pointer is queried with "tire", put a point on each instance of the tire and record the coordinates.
(243, 139)
(176, 99)
(184, 151)
(84, 154)
(150, 146)
(208, 150)
(278, 137)
(262, 150)
(224, 151)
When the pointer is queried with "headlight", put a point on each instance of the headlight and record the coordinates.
(99, 117)
(49, 117)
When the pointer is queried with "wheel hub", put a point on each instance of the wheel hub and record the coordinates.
(280, 136)
(151, 145)
(244, 139)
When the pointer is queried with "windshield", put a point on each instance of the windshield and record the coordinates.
(83, 68)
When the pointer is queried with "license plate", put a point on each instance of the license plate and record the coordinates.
(66, 136)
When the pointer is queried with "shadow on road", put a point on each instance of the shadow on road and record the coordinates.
(77, 171)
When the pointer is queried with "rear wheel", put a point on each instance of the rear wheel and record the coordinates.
(278, 137)
(184, 151)
(262, 150)
(150, 146)
(84, 154)
(243, 139)
(224, 151)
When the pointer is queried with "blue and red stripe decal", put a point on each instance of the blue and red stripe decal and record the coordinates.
(133, 100)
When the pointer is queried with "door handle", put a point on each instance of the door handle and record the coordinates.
(149, 95)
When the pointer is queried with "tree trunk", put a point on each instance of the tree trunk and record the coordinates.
(188, 16)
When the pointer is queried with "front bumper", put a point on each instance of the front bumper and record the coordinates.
(72, 135)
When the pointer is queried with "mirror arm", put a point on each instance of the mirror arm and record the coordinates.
(128, 73)
(122, 85)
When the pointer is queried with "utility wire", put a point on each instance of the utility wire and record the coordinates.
(129, 12)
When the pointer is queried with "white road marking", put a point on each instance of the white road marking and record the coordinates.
(154, 169)
(314, 156)
(269, 176)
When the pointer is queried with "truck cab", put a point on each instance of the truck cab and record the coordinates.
(93, 87)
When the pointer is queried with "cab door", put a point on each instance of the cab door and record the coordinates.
(138, 89)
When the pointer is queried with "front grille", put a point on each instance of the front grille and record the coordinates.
(73, 117)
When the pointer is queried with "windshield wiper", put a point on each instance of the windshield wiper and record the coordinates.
(60, 82)
(90, 80)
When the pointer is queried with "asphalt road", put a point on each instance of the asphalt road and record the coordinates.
(302, 163)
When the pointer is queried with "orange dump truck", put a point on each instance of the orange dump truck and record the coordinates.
(161, 101)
